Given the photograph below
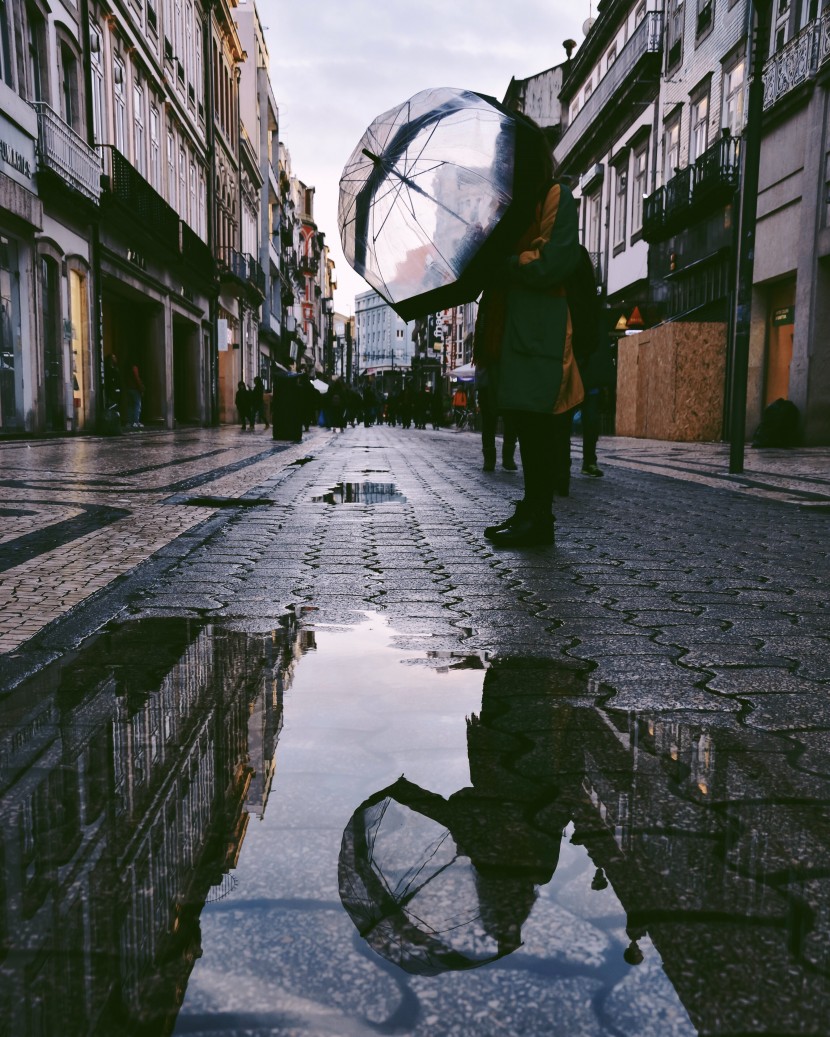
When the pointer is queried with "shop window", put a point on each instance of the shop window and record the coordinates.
(11, 374)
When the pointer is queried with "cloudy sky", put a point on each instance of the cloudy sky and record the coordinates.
(336, 64)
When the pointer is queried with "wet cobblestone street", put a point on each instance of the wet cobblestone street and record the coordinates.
(288, 748)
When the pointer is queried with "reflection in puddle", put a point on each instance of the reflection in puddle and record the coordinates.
(188, 809)
(361, 493)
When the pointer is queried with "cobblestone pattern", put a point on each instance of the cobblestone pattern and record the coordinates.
(683, 597)
(52, 482)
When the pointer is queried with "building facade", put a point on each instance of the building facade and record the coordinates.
(383, 340)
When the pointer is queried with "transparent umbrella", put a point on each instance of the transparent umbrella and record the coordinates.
(435, 194)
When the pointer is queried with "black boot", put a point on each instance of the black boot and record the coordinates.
(521, 511)
(531, 528)
(489, 461)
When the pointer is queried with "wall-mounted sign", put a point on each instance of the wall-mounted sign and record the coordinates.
(17, 154)
(783, 315)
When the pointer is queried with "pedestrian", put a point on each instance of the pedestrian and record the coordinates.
(459, 404)
(135, 394)
(525, 335)
(243, 405)
(257, 403)
(489, 411)
(598, 376)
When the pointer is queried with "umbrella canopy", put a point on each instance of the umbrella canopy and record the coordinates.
(465, 373)
(417, 896)
(435, 194)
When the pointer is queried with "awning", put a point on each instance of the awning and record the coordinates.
(465, 373)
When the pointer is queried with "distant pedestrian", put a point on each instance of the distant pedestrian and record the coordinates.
(257, 403)
(243, 406)
(135, 394)
(489, 411)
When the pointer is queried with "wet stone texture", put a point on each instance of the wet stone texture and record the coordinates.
(335, 766)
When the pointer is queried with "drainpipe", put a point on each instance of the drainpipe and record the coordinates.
(210, 202)
(746, 257)
(95, 240)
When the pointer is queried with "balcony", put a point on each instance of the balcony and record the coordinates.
(633, 77)
(798, 61)
(309, 262)
(137, 200)
(694, 192)
(242, 268)
(62, 151)
(596, 262)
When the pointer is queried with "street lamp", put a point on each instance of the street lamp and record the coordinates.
(746, 253)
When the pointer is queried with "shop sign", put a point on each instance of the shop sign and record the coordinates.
(783, 315)
(17, 154)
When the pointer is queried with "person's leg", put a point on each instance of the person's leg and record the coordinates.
(533, 522)
(590, 434)
(489, 420)
(508, 448)
(561, 452)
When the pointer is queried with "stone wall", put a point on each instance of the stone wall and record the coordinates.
(670, 383)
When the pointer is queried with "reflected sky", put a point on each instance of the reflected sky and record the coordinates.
(310, 831)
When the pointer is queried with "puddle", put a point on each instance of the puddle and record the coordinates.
(227, 502)
(361, 493)
(311, 831)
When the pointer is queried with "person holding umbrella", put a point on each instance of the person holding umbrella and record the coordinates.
(523, 333)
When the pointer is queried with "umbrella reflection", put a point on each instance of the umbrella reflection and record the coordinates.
(435, 884)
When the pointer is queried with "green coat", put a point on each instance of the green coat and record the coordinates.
(530, 362)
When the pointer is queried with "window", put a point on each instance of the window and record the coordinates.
(182, 209)
(620, 205)
(610, 57)
(639, 187)
(120, 103)
(640, 13)
(198, 57)
(36, 48)
(139, 158)
(699, 127)
(202, 206)
(589, 89)
(593, 210)
(5, 45)
(671, 138)
(155, 155)
(171, 169)
(674, 33)
(704, 16)
(96, 65)
(70, 95)
(734, 95)
(194, 201)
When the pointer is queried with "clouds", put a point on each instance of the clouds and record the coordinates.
(337, 65)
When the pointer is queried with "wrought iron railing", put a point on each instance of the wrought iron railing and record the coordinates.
(243, 266)
(797, 61)
(717, 168)
(596, 260)
(647, 38)
(60, 149)
(710, 181)
(129, 188)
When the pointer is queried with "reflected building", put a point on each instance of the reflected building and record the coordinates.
(127, 777)
(714, 837)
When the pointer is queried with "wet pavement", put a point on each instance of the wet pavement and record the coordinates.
(325, 763)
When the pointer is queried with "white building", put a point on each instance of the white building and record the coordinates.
(383, 340)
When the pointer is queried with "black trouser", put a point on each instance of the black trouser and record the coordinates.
(489, 423)
(545, 447)
(590, 427)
